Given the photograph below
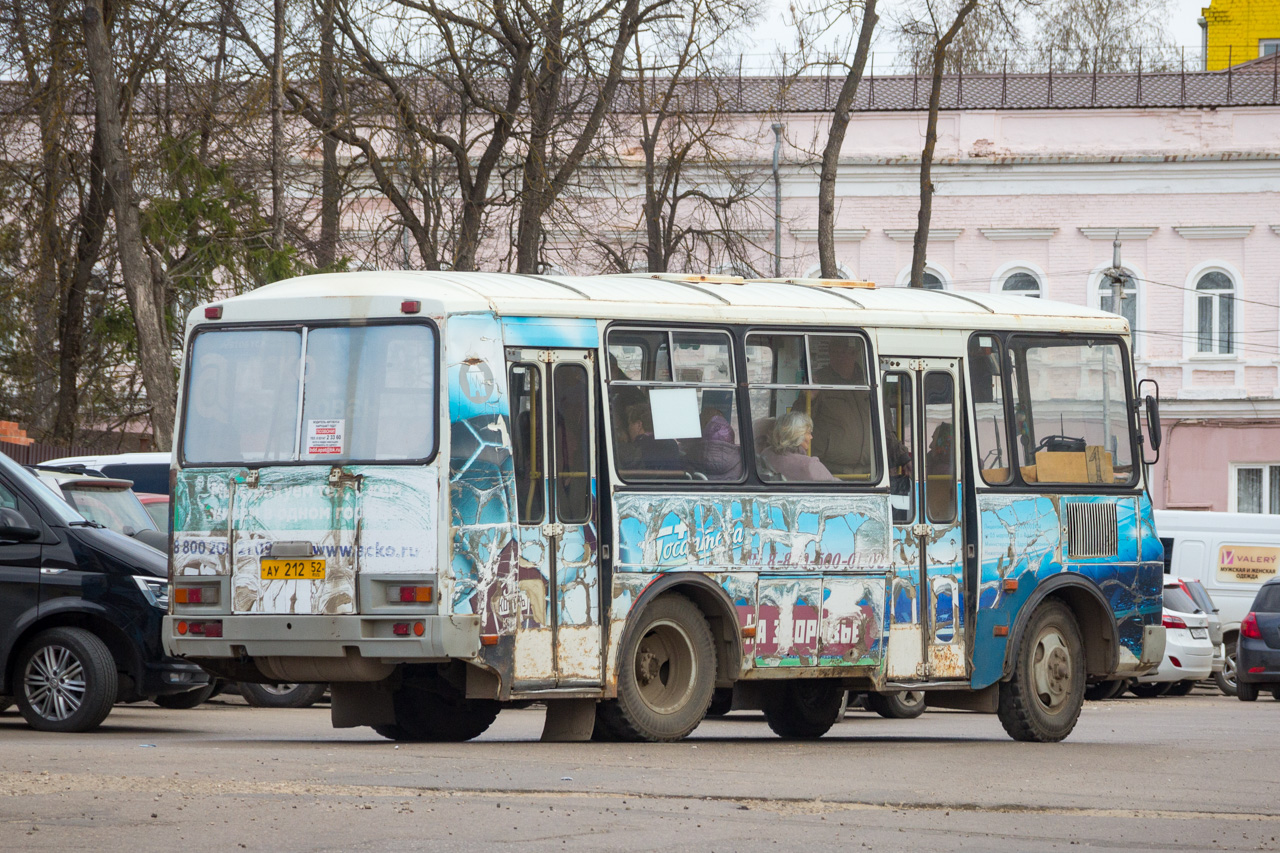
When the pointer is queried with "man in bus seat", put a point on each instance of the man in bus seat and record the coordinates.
(842, 417)
(642, 451)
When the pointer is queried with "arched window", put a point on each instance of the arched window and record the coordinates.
(842, 271)
(931, 281)
(1022, 283)
(1215, 313)
(935, 277)
(1121, 300)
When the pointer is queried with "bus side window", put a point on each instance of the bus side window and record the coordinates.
(899, 420)
(526, 443)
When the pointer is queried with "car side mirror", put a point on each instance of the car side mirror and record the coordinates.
(15, 528)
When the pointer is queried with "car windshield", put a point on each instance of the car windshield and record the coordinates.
(159, 512)
(1268, 599)
(367, 394)
(117, 509)
(1176, 599)
(39, 493)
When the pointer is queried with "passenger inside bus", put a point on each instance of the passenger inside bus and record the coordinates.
(641, 451)
(717, 454)
(786, 457)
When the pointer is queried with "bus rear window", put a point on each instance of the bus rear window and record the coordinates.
(369, 395)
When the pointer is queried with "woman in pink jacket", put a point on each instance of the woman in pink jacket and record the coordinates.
(787, 458)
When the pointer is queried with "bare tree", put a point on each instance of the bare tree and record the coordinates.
(938, 23)
(154, 358)
(1106, 34)
(826, 15)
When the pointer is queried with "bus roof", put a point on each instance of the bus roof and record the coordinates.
(641, 296)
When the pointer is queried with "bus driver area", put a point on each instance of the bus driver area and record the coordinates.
(621, 505)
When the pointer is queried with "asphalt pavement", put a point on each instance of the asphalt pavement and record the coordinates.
(1195, 773)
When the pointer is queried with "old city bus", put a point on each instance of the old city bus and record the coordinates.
(621, 495)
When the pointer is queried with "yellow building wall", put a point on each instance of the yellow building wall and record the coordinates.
(1234, 28)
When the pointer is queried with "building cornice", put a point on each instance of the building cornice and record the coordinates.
(1213, 232)
(936, 235)
(842, 235)
(1122, 233)
(999, 234)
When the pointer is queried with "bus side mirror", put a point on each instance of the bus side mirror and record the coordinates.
(1152, 402)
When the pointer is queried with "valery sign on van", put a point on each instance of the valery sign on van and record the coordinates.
(1244, 564)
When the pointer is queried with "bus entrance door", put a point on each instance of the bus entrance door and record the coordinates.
(559, 631)
(926, 602)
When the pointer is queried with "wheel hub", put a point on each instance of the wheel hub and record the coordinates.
(665, 667)
(1051, 668)
(54, 683)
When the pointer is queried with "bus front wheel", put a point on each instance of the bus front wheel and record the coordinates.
(1042, 701)
(666, 675)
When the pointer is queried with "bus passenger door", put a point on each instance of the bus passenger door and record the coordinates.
(559, 631)
(926, 602)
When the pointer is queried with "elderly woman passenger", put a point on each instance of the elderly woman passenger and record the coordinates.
(787, 456)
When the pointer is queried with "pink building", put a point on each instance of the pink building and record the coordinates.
(1030, 199)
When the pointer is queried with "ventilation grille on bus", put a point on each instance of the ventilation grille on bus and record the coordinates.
(1092, 530)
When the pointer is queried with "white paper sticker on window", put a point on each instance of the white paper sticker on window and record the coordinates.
(675, 413)
(324, 437)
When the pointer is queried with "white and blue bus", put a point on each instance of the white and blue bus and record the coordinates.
(627, 495)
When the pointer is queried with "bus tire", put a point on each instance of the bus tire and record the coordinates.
(898, 705)
(666, 675)
(804, 709)
(431, 709)
(65, 681)
(1042, 701)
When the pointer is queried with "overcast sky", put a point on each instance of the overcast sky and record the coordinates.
(1183, 27)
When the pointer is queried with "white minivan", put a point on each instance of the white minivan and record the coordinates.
(1232, 554)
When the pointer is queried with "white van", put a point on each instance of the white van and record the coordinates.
(1232, 554)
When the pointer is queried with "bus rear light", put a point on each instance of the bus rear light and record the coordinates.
(203, 629)
(196, 595)
(488, 639)
(1249, 626)
(182, 628)
(400, 629)
(213, 312)
(410, 306)
(1173, 622)
(419, 628)
(409, 594)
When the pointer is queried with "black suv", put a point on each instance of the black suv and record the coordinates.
(80, 613)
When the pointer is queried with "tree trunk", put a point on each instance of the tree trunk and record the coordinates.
(93, 226)
(835, 140)
(155, 360)
(327, 248)
(536, 196)
(277, 131)
(920, 245)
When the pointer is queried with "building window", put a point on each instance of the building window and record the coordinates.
(1215, 313)
(932, 281)
(935, 277)
(1124, 302)
(1268, 47)
(842, 272)
(1256, 488)
(1022, 283)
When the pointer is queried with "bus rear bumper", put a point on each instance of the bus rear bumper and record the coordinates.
(300, 637)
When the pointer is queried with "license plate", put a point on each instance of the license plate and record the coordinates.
(295, 570)
(1199, 633)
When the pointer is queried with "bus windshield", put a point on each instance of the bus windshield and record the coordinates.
(368, 395)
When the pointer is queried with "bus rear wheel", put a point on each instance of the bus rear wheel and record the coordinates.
(666, 676)
(1042, 701)
(804, 709)
(430, 708)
